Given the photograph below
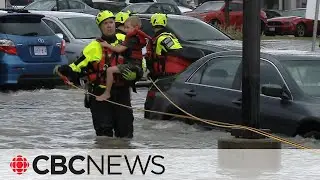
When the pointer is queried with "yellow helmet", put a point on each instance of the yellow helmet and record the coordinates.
(103, 16)
(121, 17)
(159, 19)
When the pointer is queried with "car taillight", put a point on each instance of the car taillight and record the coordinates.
(7, 46)
(62, 46)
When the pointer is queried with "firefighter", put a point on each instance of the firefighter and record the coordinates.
(106, 116)
(120, 18)
(165, 55)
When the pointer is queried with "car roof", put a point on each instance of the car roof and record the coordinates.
(170, 16)
(61, 15)
(274, 55)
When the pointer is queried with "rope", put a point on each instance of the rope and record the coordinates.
(192, 117)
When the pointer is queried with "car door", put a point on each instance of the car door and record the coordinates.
(57, 29)
(212, 91)
(236, 14)
(275, 114)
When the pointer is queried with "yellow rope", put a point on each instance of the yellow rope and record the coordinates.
(192, 117)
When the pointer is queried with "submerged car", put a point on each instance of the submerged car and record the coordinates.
(211, 89)
(29, 50)
(77, 29)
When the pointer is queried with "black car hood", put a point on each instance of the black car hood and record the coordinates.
(224, 44)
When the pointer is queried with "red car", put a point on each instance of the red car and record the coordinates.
(291, 22)
(212, 12)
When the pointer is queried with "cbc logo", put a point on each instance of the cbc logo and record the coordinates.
(19, 164)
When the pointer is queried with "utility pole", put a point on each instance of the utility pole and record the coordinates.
(250, 105)
(315, 26)
(57, 3)
(226, 13)
(251, 63)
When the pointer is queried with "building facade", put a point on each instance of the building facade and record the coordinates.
(284, 4)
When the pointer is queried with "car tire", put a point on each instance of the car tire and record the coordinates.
(300, 30)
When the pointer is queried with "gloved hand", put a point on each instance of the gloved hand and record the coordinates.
(144, 65)
(55, 69)
(129, 75)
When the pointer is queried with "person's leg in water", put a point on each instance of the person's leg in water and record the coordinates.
(110, 72)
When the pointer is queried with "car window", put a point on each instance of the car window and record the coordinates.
(147, 27)
(218, 72)
(269, 74)
(40, 5)
(76, 5)
(184, 28)
(136, 8)
(306, 74)
(62, 5)
(235, 7)
(56, 29)
(155, 8)
(82, 27)
(24, 26)
(209, 6)
(168, 9)
(20, 2)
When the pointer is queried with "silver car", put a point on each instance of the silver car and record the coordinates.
(78, 30)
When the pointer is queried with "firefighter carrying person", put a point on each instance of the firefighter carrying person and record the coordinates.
(107, 117)
(165, 55)
(131, 50)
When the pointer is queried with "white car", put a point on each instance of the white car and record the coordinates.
(78, 30)
(184, 9)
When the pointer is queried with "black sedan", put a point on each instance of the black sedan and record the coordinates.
(211, 89)
(194, 34)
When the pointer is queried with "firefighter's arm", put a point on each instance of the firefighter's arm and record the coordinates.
(75, 70)
(118, 48)
(70, 73)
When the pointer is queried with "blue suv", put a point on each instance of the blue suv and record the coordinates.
(29, 50)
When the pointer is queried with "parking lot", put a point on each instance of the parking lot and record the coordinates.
(29, 54)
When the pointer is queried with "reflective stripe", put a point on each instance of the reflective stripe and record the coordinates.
(160, 48)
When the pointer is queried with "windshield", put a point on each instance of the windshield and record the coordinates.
(40, 5)
(209, 6)
(168, 1)
(306, 74)
(136, 8)
(82, 27)
(299, 13)
(195, 30)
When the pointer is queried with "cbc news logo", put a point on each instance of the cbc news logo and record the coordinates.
(19, 164)
(60, 164)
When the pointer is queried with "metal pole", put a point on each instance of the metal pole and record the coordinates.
(226, 12)
(251, 64)
(315, 26)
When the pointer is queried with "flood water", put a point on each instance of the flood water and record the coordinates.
(58, 119)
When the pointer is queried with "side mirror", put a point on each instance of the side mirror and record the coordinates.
(60, 35)
(274, 90)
